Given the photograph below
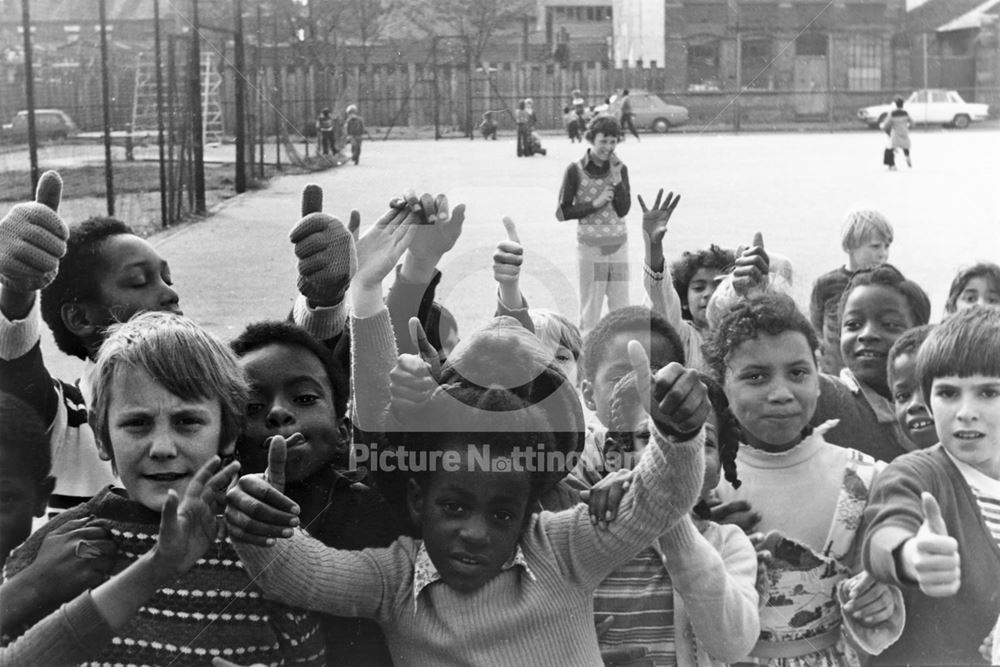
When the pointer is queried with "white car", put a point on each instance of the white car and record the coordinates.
(930, 107)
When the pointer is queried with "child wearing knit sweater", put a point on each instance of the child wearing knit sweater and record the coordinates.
(694, 604)
(595, 191)
(932, 525)
(490, 582)
(808, 493)
(169, 396)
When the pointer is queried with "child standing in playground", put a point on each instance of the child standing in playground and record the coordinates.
(595, 191)
(354, 130)
(325, 126)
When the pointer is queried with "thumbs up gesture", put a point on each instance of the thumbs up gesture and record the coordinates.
(752, 265)
(931, 556)
(257, 510)
(415, 376)
(675, 398)
(33, 239)
(327, 256)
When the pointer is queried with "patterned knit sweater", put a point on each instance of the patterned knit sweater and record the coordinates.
(212, 610)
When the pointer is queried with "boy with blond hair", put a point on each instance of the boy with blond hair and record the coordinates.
(865, 237)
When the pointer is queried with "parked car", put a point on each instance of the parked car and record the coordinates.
(649, 112)
(49, 124)
(930, 106)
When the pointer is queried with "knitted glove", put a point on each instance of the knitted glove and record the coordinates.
(326, 252)
(33, 239)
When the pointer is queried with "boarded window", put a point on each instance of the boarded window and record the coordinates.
(811, 44)
(864, 62)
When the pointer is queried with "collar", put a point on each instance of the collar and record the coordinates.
(880, 405)
(425, 574)
(593, 167)
(86, 383)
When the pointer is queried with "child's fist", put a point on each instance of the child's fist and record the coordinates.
(751, 266)
(508, 256)
(677, 400)
(33, 239)
(931, 556)
(326, 252)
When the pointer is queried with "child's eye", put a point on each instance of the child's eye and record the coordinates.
(753, 378)
(452, 508)
(945, 392)
(306, 399)
(851, 325)
(990, 392)
(254, 408)
(902, 396)
(503, 516)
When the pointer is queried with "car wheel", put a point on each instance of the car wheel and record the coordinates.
(661, 125)
(961, 121)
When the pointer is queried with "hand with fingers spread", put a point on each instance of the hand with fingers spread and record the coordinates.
(604, 498)
(654, 226)
(380, 248)
(440, 229)
(507, 260)
(415, 376)
(325, 249)
(751, 267)
(931, 557)
(190, 525)
(257, 510)
(676, 399)
(868, 601)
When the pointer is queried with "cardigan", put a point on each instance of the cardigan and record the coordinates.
(543, 619)
(212, 610)
(938, 630)
(72, 633)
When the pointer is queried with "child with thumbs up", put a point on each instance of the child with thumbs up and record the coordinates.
(932, 524)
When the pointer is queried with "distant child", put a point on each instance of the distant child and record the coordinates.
(897, 127)
(690, 598)
(299, 392)
(490, 581)
(326, 128)
(169, 397)
(572, 122)
(354, 130)
(488, 126)
(931, 524)
(977, 285)
(525, 120)
(595, 190)
(877, 307)
(865, 236)
(911, 408)
(536, 144)
(808, 494)
(25, 465)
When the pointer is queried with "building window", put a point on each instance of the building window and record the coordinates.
(703, 65)
(864, 62)
(811, 44)
(755, 63)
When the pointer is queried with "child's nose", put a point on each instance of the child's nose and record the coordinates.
(474, 532)
(967, 410)
(780, 393)
(280, 415)
(162, 446)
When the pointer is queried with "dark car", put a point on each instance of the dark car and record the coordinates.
(52, 124)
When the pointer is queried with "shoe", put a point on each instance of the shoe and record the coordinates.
(908, 162)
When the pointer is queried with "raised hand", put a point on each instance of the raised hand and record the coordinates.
(326, 251)
(931, 556)
(33, 239)
(257, 510)
(380, 248)
(607, 194)
(507, 260)
(752, 265)
(188, 527)
(655, 219)
(676, 399)
(415, 376)
(604, 498)
(440, 229)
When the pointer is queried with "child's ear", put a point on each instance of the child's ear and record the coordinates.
(104, 451)
(414, 501)
(44, 491)
(587, 392)
(227, 450)
(74, 316)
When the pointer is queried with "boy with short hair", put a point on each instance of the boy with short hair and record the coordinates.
(595, 191)
(865, 236)
(932, 523)
(911, 408)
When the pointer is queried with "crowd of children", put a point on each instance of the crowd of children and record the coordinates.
(714, 477)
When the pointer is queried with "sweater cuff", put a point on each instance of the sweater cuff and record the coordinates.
(680, 537)
(680, 465)
(322, 322)
(651, 274)
(19, 336)
(879, 554)
(85, 622)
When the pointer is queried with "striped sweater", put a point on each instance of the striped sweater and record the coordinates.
(212, 610)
